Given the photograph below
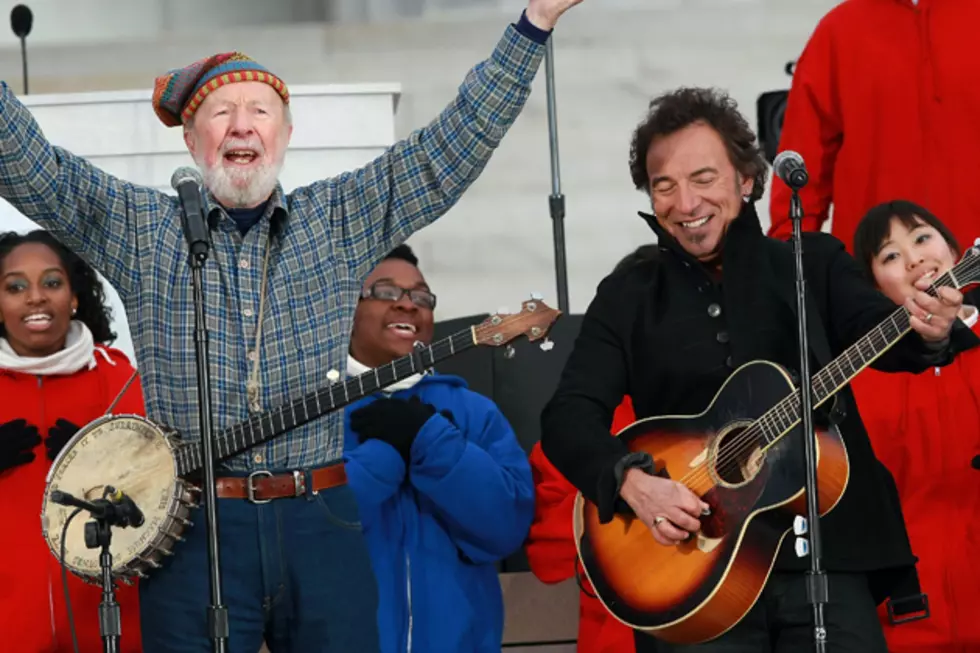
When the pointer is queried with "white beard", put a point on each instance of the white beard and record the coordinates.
(239, 189)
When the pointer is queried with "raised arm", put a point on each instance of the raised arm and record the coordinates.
(420, 178)
(812, 127)
(90, 211)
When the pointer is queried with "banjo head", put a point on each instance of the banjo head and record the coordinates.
(133, 455)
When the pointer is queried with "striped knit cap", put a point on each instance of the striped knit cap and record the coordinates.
(179, 93)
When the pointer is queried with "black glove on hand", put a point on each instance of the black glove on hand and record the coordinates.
(17, 440)
(394, 421)
(58, 437)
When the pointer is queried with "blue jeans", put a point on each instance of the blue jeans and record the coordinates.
(295, 572)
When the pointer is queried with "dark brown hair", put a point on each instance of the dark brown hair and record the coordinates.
(678, 109)
(873, 229)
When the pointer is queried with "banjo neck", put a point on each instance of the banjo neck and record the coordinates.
(534, 321)
(269, 424)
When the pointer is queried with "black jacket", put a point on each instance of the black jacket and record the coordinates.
(666, 334)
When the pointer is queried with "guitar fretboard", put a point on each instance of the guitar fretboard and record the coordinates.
(269, 424)
(785, 415)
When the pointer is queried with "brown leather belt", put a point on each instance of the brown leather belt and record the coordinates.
(263, 486)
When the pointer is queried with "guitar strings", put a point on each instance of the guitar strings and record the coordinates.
(749, 439)
(188, 454)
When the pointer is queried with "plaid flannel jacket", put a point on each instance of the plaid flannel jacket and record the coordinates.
(325, 238)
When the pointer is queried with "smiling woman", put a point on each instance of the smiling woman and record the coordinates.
(56, 376)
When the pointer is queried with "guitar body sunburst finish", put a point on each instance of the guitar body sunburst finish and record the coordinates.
(755, 486)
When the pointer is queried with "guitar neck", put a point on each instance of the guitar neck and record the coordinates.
(785, 415)
(264, 426)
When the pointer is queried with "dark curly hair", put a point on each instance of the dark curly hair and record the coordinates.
(85, 284)
(673, 111)
(403, 253)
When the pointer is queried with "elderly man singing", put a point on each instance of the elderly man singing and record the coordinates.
(281, 285)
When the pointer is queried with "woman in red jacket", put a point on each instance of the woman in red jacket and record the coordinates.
(553, 557)
(56, 375)
(926, 429)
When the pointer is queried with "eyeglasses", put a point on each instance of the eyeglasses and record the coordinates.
(389, 292)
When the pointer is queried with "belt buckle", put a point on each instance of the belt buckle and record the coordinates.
(250, 487)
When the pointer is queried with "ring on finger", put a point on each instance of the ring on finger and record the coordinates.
(928, 318)
(659, 519)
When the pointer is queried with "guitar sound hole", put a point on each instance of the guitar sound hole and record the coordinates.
(738, 456)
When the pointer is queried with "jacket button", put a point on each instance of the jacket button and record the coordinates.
(722, 337)
(714, 310)
(730, 363)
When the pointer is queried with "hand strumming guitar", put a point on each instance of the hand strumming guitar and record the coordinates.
(668, 508)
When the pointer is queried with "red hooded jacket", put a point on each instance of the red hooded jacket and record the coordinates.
(884, 105)
(553, 557)
(926, 429)
(33, 615)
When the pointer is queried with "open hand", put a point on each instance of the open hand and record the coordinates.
(932, 317)
(543, 14)
(669, 509)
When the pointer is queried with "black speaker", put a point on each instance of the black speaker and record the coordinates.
(770, 108)
(520, 385)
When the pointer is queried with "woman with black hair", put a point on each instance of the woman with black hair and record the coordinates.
(926, 429)
(56, 375)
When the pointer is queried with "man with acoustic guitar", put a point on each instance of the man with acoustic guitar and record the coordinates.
(281, 285)
(669, 333)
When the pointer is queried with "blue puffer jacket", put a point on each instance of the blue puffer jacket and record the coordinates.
(436, 530)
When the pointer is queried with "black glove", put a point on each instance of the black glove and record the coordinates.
(394, 421)
(58, 437)
(17, 441)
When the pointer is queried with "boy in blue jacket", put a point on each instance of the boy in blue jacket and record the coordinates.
(444, 489)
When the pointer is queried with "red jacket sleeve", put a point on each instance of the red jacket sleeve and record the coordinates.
(812, 127)
(550, 548)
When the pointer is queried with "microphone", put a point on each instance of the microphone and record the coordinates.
(119, 509)
(21, 21)
(126, 507)
(187, 182)
(788, 166)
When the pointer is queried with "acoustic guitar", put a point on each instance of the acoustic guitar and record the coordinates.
(744, 457)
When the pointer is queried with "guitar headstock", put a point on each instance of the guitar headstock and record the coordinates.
(534, 320)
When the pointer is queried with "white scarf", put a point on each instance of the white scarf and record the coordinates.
(356, 368)
(79, 353)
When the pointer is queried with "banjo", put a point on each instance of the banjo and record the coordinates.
(148, 461)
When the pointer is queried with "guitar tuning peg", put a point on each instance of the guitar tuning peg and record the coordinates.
(547, 345)
(536, 296)
(503, 310)
(509, 352)
(333, 376)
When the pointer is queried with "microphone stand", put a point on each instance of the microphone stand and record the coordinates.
(556, 201)
(217, 616)
(816, 587)
(98, 534)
